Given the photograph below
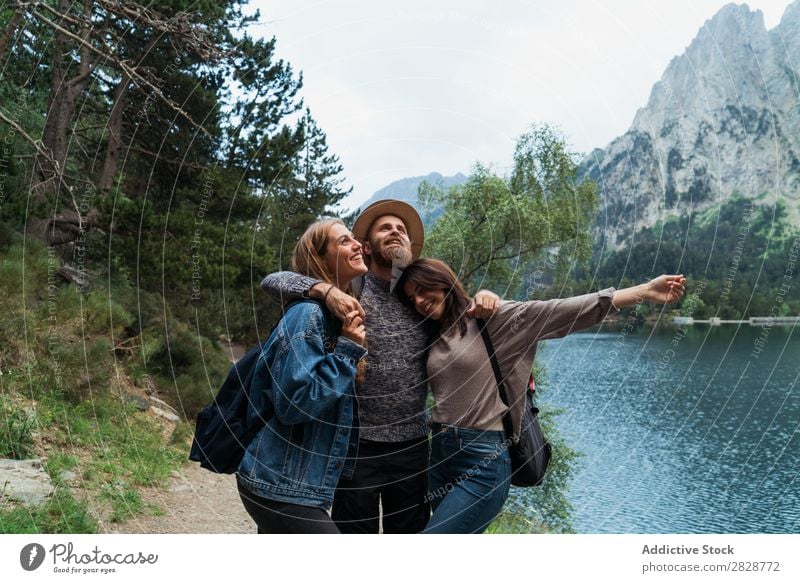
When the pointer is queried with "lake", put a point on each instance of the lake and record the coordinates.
(683, 430)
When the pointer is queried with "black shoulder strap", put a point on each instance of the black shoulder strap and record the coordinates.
(498, 376)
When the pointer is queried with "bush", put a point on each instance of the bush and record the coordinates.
(544, 508)
(192, 368)
(75, 355)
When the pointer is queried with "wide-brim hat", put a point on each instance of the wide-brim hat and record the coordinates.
(404, 211)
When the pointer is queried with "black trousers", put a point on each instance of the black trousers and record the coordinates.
(273, 517)
(394, 475)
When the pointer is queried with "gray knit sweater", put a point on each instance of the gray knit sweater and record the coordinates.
(391, 399)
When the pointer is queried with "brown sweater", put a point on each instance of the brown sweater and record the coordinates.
(460, 372)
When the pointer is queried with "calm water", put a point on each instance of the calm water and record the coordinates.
(683, 430)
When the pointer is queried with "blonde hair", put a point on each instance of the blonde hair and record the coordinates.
(308, 259)
(309, 252)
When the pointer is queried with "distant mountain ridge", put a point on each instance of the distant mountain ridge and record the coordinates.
(405, 189)
(723, 119)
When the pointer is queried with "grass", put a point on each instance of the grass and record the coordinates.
(57, 464)
(16, 430)
(113, 450)
(128, 452)
(61, 514)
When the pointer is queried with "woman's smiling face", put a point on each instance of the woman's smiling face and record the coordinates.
(428, 302)
(343, 255)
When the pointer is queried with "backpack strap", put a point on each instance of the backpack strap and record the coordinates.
(498, 376)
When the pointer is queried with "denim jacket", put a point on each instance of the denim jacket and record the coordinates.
(311, 440)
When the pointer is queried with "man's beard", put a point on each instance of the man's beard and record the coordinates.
(394, 255)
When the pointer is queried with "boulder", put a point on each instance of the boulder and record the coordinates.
(24, 481)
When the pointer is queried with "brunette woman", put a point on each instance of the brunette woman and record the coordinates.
(470, 468)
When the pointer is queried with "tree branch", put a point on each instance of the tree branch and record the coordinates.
(492, 257)
(130, 71)
(17, 128)
(41, 151)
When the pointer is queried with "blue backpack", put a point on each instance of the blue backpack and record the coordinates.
(223, 430)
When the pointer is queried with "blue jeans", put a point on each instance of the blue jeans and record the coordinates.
(468, 480)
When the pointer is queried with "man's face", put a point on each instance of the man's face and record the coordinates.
(388, 241)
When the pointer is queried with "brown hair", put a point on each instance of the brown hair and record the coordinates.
(435, 274)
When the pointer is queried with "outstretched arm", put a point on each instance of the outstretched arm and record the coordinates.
(665, 289)
(543, 320)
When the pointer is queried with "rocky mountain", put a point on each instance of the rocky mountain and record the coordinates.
(723, 119)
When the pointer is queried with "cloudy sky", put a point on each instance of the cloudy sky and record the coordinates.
(407, 88)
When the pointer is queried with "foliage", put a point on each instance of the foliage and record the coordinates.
(693, 306)
(190, 369)
(179, 150)
(172, 174)
(161, 158)
(66, 393)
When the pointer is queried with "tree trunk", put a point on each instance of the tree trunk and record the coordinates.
(44, 165)
(9, 32)
(48, 180)
(111, 162)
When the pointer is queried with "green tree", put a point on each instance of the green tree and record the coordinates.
(307, 187)
(693, 306)
(492, 228)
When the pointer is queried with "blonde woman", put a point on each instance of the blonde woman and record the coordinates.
(307, 370)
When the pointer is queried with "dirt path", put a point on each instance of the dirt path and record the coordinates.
(195, 501)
